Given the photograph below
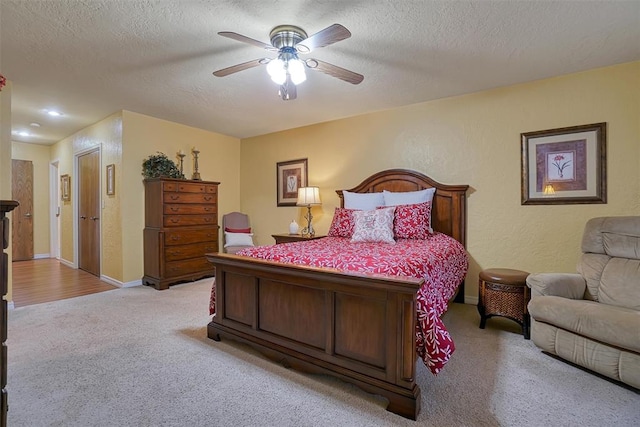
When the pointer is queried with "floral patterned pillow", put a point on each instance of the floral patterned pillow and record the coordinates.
(373, 226)
(342, 224)
(412, 221)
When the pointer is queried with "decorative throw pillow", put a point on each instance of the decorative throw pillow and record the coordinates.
(412, 221)
(237, 239)
(373, 225)
(392, 198)
(362, 201)
(342, 223)
(238, 230)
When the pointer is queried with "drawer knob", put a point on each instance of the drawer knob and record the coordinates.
(207, 198)
(175, 220)
(175, 197)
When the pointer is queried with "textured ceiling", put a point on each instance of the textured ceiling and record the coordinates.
(91, 58)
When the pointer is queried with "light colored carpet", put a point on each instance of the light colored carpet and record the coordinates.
(140, 357)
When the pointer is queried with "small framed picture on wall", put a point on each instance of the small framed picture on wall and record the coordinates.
(111, 180)
(564, 166)
(65, 187)
(290, 176)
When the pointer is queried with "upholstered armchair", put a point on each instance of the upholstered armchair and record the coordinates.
(592, 318)
(237, 232)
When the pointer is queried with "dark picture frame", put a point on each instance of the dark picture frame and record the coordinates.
(290, 176)
(564, 165)
(65, 187)
(111, 179)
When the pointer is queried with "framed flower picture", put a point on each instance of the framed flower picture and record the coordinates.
(564, 166)
(290, 176)
(111, 180)
(65, 188)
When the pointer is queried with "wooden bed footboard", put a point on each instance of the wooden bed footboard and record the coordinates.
(359, 328)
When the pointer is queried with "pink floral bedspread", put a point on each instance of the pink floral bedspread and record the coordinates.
(440, 260)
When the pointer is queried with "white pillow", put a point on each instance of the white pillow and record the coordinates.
(374, 225)
(237, 239)
(362, 201)
(408, 197)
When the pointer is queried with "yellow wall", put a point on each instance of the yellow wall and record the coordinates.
(5, 142)
(39, 155)
(472, 139)
(5, 161)
(111, 216)
(219, 160)
(107, 135)
(125, 140)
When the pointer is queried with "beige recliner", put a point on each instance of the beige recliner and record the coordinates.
(592, 318)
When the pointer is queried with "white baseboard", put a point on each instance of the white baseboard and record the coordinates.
(132, 283)
(41, 256)
(67, 263)
(120, 284)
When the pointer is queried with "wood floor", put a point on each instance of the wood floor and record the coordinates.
(43, 280)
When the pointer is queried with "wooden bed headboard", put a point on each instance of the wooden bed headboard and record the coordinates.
(448, 212)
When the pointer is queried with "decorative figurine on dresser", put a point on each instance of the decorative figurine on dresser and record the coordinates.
(181, 225)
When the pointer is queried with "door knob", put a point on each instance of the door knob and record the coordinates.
(95, 218)
(83, 217)
(28, 215)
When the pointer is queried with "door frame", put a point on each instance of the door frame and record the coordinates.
(75, 198)
(54, 209)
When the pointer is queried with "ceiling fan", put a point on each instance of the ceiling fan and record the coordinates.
(287, 69)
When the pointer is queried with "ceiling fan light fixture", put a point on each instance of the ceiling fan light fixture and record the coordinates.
(288, 70)
(277, 71)
(295, 67)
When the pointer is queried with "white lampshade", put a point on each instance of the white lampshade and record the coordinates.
(276, 70)
(296, 71)
(308, 196)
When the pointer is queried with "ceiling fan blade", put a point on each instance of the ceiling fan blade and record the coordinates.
(335, 71)
(322, 38)
(245, 39)
(238, 67)
(288, 91)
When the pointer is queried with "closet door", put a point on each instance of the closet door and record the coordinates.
(89, 212)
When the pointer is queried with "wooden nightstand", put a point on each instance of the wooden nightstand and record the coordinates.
(286, 238)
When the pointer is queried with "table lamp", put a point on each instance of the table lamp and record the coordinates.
(308, 196)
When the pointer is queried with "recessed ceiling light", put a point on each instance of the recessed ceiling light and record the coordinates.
(34, 124)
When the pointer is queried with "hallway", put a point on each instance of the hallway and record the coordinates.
(43, 280)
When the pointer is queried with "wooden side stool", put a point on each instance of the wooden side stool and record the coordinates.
(504, 292)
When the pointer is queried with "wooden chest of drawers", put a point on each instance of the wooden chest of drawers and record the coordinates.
(181, 225)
